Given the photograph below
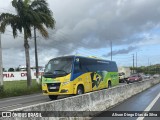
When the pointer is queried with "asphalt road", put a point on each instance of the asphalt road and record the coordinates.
(26, 100)
(148, 100)
(22, 101)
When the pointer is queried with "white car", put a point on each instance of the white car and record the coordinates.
(147, 76)
(156, 76)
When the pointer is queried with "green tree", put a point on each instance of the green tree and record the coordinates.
(4, 70)
(29, 14)
(11, 70)
(17, 69)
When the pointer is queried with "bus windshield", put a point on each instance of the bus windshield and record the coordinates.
(58, 67)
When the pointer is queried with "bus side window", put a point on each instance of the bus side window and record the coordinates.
(83, 65)
(77, 66)
(80, 65)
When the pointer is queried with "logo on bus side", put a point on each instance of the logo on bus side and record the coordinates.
(97, 78)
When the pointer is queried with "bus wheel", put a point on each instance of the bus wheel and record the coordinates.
(80, 90)
(109, 84)
(127, 82)
(53, 97)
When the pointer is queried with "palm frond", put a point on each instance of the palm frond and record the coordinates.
(39, 3)
(27, 3)
(18, 5)
(9, 19)
(33, 16)
(14, 3)
(42, 30)
(14, 31)
(5, 15)
(29, 13)
(47, 20)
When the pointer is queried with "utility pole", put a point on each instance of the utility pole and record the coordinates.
(36, 56)
(136, 59)
(111, 50)
(133, 63)
(148, 66)
(136, 62)
(1, 67)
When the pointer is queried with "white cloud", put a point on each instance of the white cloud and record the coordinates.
(88, 24)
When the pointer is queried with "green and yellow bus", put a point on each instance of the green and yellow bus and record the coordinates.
(78, 75)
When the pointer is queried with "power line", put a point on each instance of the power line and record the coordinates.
(80, 43)
(12, 35)
(89, 52)
(12, 32)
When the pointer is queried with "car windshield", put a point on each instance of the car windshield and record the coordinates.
(121, 74)
(59, 66)
(134, 75)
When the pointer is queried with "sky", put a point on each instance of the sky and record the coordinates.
(88, 27)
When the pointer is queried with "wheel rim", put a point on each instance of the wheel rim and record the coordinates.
(79, 91)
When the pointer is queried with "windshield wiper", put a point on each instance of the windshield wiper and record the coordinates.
(48, 75)
(55, 74)
(61, 71)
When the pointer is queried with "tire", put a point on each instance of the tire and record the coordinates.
(109, 84)
(53, 97)
(125, 80)
(80, 90)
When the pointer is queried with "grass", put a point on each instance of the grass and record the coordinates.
(18, 88)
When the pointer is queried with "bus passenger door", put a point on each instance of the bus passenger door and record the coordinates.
(80, 69)
(88, 83)
(95, 84)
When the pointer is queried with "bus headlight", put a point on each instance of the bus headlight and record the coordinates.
(65, 83)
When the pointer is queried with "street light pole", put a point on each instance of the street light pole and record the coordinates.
(133, 63)
(136, 59)
(36, 56)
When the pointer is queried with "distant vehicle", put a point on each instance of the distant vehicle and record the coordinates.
(23, 68)
(156, 76)
(147, 76)
(124, 73)
(134, 78)
(77, 75)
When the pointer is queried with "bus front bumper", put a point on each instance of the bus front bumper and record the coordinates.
(62, 92)
(56, 89)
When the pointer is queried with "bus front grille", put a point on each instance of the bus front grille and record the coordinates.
(53, 87)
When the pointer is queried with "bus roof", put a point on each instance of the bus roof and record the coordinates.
(90, 57)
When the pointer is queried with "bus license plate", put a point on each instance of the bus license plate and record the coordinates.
(52, 88)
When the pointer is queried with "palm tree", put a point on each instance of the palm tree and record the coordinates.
(29, 14)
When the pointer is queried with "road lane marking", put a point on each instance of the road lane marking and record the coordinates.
(10, 106)
(20, 98)
(150, 106)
